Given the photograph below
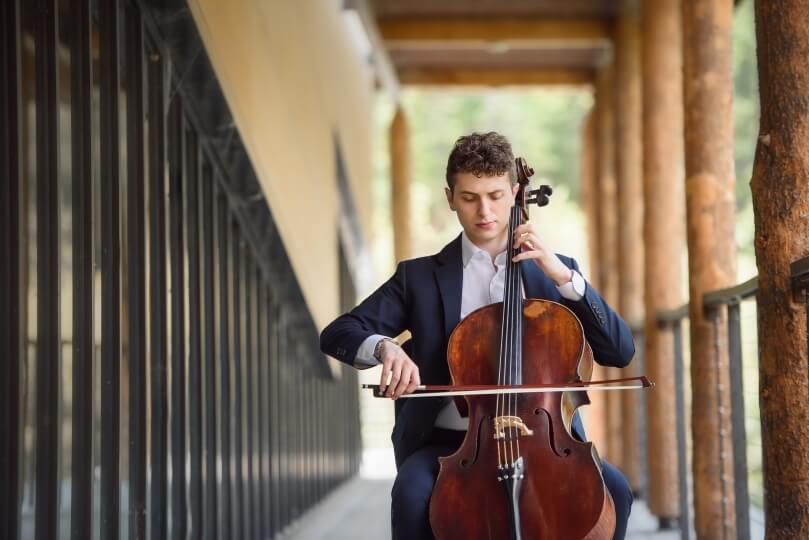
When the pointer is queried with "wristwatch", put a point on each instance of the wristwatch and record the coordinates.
(378, 348)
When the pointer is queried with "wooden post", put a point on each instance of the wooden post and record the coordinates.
(595, 413)
(608, 239)
(589, 193)
(664, 238)
(400, 176)
(780, 189)
(711, 212)
(629, 167)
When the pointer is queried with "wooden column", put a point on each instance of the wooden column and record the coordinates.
(780, 189)
(589, 193)
(608, 240)
(595, 413)
(711, 210)
(400, 176)
(663, 238)
(629, 168)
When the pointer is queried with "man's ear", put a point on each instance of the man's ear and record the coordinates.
(448, 193)
(514, 189)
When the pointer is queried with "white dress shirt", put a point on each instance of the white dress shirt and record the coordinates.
(483, 284)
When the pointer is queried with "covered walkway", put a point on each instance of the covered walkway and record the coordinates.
(164, 163)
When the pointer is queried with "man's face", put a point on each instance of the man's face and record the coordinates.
(483, 205)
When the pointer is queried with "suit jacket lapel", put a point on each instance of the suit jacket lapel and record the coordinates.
(449, 276)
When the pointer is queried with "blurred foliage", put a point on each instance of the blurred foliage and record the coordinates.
(746, 113)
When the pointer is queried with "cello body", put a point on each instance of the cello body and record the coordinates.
(552, 487)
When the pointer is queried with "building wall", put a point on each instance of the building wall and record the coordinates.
(294, 79)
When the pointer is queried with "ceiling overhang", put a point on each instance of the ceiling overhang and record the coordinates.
(473, 43)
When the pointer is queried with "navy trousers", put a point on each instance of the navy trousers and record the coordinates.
(410, 496)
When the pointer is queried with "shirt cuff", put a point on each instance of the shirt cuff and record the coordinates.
(573, 289)
(365, 353)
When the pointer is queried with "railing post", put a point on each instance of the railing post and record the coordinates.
(739, 435)
(682, 466)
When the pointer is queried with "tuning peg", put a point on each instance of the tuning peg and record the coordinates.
(540, 196)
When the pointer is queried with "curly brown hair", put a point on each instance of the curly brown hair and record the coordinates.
(482, 154)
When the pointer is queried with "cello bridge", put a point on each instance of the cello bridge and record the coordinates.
(501, 423)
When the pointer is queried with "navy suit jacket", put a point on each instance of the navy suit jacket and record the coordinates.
(424, 297)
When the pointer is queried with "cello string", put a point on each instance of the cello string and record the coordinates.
(508, 306)
(501, 367)
(511, 274)
(517, 336)
(500, 380)
(506, 332)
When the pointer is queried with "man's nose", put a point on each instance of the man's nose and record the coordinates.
(483, 208)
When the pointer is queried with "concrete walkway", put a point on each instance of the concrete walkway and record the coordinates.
(360, 510)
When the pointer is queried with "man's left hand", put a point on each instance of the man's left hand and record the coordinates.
(533, 247)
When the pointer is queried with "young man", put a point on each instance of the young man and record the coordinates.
(429, 296)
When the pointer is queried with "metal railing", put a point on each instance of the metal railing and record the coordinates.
(160, 374)
(731, 299)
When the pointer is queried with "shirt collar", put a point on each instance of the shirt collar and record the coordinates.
(469, 250)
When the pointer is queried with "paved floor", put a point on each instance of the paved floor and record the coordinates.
(360, 509)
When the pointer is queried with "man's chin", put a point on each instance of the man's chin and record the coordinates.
(481, 235)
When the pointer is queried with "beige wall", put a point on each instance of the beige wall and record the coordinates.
(293, 76)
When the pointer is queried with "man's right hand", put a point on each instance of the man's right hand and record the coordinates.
(402, 371)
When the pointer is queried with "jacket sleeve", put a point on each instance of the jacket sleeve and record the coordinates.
(607, 333)
(383, 312)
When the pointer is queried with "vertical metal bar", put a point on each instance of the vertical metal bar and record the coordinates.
(737, 422)
(157, 302)
(288, 364)
(223, 234)
(309, 380)
(316, 435)
(110, 274)
(191, 198)
(249, 358)
(207, 223)
(238, 455)
(275, 430)
(682, 467)
(258, 529)
(10, 154)
(314, 438)
(262, 420)
(311, 450)
(297, 400)
(334, 447)
(48, 351)
(285, 458)
(177, 423)
(137, 278)
(81, 135)
(268, 424)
